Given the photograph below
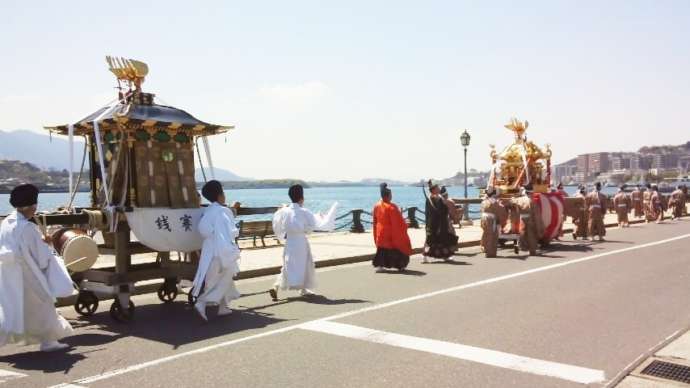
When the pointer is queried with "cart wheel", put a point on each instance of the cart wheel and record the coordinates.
(86, 304)
(119, 314)
(516, 248)
(167, 294)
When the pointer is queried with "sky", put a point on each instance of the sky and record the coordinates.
(363, 89)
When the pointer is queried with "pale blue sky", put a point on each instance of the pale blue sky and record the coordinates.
(364, 88)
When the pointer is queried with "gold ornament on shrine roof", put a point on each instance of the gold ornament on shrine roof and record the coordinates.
(520, 163)
(517, 126)
(129, 70)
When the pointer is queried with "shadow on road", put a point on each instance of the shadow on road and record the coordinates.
(573, 247)
(407, 272)
(45, 362)
(324, 300)
(449, 262)
(174, 323)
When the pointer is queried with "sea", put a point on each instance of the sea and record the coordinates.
(316, 199)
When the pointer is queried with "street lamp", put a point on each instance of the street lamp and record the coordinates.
(465, 141)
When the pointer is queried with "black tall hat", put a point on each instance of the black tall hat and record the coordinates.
(385, 191)
(212, 190)
(24, 195)
(296, 193)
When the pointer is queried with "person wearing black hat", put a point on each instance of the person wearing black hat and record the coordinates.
(676, 202)
(292, 224)
(656, 206)
(219, 261)
(623, 205)
(454, 214)
(393, 247)
(531, 225)
(440, 242)
(493, 216)
(27, 304)
(596, 203)
(636, 198)
(647, 202)
(580, 214)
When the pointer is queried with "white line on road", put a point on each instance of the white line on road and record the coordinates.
(7, 375)
(133, 368)
(463, 352)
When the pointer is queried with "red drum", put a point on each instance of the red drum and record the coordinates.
(78, 250)
(552, 206)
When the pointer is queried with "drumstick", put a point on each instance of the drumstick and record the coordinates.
(76, 261)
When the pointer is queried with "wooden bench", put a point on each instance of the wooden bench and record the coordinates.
(256, 229)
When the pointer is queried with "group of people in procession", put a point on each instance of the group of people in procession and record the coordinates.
(28, 307)
(520, 213)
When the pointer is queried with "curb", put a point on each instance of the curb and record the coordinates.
(267, 271)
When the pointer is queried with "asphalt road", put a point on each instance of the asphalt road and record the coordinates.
(578, 314)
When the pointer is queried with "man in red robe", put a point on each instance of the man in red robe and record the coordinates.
(393, 247)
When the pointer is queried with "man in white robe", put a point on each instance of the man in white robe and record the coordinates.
(27, 306)
(220, 254)
(292, 224)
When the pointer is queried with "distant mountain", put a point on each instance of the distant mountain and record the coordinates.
(221, 175)
(46, 153)
(364, 183)
(665, 149)
(39, 149)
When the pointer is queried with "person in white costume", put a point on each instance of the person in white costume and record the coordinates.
(292, 224)
(27, 306)
(220, 255)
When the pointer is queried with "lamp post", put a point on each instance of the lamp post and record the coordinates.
(465, 141)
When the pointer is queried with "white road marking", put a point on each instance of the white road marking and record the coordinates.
(133, 368)
(463, 352)
(7, 375)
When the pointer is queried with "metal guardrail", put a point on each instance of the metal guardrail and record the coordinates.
(356, 219)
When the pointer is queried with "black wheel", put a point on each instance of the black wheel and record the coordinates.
(119, 314)
(86, 304)
(516, 248)
(167, 294)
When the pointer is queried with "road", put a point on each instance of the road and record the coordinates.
(578, 314)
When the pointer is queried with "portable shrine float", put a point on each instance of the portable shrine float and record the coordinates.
(141, 168)
(524, 163)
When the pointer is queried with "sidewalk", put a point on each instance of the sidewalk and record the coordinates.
(668, 366)
(329, 249)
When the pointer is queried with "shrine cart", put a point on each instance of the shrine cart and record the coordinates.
(141, 163)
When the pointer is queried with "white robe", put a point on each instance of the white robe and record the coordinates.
(220, 256)
(27, 308)
(292, 224)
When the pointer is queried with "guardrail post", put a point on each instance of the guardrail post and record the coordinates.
(357, 226)
(466, 221)
(412, 218)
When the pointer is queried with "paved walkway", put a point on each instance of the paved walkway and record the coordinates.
(328, 248)
(672, 353)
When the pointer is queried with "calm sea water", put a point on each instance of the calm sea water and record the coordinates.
(316, 199)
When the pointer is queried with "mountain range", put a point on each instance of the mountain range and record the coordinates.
(52, 153)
